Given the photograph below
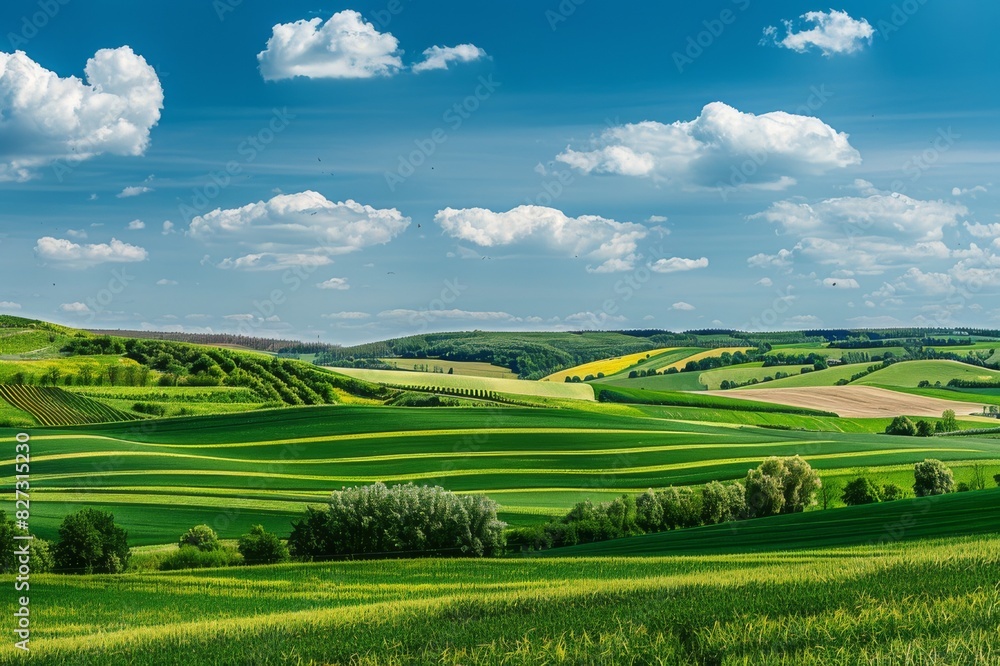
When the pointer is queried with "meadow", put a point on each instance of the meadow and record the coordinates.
(463, 368)
(884, 604)
(402, 378)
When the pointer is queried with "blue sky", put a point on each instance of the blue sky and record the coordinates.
(550, 165)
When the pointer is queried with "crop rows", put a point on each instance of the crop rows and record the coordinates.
(53, 407)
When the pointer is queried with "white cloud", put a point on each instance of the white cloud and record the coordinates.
(334, 283)
(48, 119)
(706, 151)
(678, 264)
(959, 192)
(75, 308)
(9, 305)
(878, 321)
(864, 234)
(73, 255)
(239, 317)
(439, 57)
(983, 230)
(347, 316)
(612, 245)
(164, 282)
(133, 191)
(343, 47)
(168, 228)
(136, 225)
(454, 314)
(657, 219)
(841, 283)
(76, 233)
(593, 320)
(833, 33)
(303, 228)
(764, 282)
(681, 305)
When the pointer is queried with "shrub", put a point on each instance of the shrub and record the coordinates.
(406, 519)
(191, 557)
(201, 537)
(901, 426)
(932, 477)
(891, 492)
(924, 428)
(861, 491)
(90, 542)
(962, 487)
(996, 479)
(258, 546)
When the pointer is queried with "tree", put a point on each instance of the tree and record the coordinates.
(861, 491)
(948, 420)
(891, 492)
(901, 426)
(827, 492)
(978, 480)
(258, 546)
(90, 542)
(781, 485)
(996, 479)
(932, 477)
(924, 428)
(201, 537)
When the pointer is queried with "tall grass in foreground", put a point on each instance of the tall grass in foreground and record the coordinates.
(931, 602)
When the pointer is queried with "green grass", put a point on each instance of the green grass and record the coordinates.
(659, 361)
(956, 514)
(52, 406)
(820, 349)
(828, 377)
(933, 602)
(463, 368)
(71, 365)
(678, 381)
(30, 342)
(744, 373)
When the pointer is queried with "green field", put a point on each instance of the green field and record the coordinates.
(937, 603)
(51, 406)
(910, 373)
(534, 462)
(437, 380)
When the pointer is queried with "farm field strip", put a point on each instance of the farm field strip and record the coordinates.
(443, 381)
(53, 407)
(710, 353)
(608, 366)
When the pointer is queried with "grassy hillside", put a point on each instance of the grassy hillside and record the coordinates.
(910, 373)
(535, 462)
(869, 605)
(464, 368)
(641, 396)
(957, 514)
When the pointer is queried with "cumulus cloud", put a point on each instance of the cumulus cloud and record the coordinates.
(983, 230)
(75, 308)
(345, 46)
(864, 234)
(439, 57)
(707, 151)
(73, 255)
(133, 191)
(334, 283)
(833, 33)
(168, 228)
(136, 225)
(764, 282)
(681, 305)
(678, 264)
(297, 229)
(960, 191)
(611, 245)
(9, 305)
(46, 118)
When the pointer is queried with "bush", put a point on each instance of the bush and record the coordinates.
(90, 542)
(407, 519)
(901, 426)
(861, 491)
(996, 479)
(191, 557)
(201, 537)
(780, 485)
(891, 492)
(258, 546)
(932, 477)
(39, 553)
(962, 487)
(924, 428)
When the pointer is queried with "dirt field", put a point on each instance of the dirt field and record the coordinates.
(856, 401)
